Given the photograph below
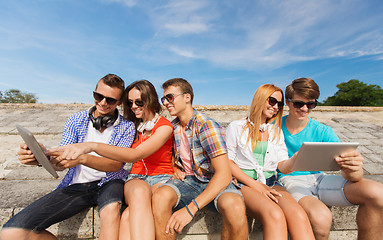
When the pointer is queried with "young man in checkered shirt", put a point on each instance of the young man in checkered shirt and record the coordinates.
(202, 176)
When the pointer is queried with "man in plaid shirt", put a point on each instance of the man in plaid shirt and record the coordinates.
(202, 174)
(91, 180)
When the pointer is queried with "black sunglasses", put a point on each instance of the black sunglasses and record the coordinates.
(300, 104)
(170, 97)
(139, 103)
(99, 97)
(273, 101)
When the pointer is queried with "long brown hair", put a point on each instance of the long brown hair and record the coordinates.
(255, 112)
(148, 95)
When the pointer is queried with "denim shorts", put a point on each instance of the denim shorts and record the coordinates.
(191, 188)
(327, 188)
(64, 203)
(151, 180)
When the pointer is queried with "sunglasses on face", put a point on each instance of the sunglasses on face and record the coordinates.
(99, 97)
(170, 97)
(139, 103)
(273, 101)
(300, 104)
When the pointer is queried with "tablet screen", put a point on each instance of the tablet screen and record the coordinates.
(36, 149)
(319, 156)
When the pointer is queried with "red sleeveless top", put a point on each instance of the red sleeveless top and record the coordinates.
(160, 161)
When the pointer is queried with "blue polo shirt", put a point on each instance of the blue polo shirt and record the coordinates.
(313, 132)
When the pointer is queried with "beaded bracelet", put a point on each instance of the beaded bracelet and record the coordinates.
(191, 214)
(194, 201)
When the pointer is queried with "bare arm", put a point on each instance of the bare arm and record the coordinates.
(252, 183)
(351, 164)
(286, 165)
(95, 162)
(26, 157)
(121, 154)
(218, 182)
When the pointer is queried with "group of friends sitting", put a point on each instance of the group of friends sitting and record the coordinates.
(183, 166)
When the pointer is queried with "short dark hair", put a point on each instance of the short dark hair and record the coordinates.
(305, 87)
(181, 83)
(113, 80)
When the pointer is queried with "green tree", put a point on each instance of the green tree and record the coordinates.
(356, 93)
(16, 96)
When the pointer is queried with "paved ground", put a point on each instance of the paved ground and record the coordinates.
(47, 120)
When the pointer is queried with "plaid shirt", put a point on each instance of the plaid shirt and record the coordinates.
(75, 131)
(206, 140)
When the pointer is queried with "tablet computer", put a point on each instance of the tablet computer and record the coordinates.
(319, 156)
(36, 149)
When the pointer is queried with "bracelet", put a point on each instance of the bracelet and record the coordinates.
(196, 204)
(187, 208)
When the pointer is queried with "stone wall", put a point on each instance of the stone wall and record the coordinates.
(21, 185)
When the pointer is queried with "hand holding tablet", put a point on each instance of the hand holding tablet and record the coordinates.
(36, 149)
(320, 156)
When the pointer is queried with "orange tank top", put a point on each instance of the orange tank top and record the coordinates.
(160, 161)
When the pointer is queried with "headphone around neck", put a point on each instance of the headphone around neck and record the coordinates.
(102, 121)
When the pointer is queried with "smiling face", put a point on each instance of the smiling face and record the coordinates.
(268, 110)
(102, 107)
(134, 97)
(298, 113)
(179, 103)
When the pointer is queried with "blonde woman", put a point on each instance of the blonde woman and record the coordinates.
(256, 149)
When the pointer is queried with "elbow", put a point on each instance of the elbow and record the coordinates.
(115, 167)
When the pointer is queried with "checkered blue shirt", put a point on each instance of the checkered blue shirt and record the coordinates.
(75, 131)
(206, 139)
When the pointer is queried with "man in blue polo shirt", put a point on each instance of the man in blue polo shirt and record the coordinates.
(315, 190)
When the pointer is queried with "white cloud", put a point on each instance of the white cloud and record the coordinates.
(182, 52)
(266, 35)
(129, 3)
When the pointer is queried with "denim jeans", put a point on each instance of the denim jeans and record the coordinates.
(191, 187)
(64, 203)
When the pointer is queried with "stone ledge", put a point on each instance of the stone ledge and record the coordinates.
(205, 225)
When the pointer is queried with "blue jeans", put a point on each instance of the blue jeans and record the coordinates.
(64, 203)
(191, 187)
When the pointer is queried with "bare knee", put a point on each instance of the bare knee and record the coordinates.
(8, 234)
(137, 189)
(163, 200)
(373, 196)
(321, 220)
(232, 208)
(110, 212)
(125, 215)
(14, 233)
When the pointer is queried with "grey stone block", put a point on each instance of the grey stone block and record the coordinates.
(23, 172)
(80, 226)
(376, 149)
(346, 235)
(5, 215)
(357, 135)
(21, 193)
(373, 168)
(344, 217)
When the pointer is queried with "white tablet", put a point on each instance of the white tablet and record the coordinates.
(319, 156)
(36, 149)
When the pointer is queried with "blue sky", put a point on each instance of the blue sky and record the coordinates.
(58, 49)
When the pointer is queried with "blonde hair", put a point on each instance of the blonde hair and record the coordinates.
(261, 95)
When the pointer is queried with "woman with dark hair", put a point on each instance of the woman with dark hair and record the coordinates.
(256, 149)
(150, 154)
